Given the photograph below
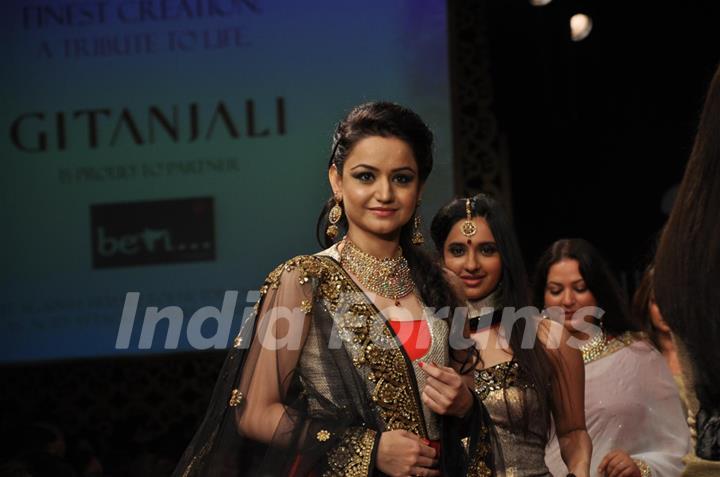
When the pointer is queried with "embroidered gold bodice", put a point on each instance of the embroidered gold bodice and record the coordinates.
(507, 393)
(381, 359)
(345, 321)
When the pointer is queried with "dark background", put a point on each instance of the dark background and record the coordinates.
(586, 139)
(598, 131)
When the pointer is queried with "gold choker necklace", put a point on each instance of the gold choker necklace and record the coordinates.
(594, 348)
(388, 277)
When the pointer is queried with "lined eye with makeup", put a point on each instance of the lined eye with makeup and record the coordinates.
(456, 250)
(403, 178)
(364, 176)
(488, 249)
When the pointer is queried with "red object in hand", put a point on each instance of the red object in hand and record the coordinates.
(414, 336)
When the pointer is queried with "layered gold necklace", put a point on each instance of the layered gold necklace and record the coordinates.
(388, 277)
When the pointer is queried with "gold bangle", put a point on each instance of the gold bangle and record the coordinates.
(644, 468)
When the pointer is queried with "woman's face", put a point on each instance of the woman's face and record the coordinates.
(379, 186)
(478, 263)
(567, 289)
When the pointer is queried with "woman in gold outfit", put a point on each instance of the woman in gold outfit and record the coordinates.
(521, 384)
(326, 379)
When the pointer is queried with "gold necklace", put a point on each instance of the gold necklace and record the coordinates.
(594, 348)
(388, 277)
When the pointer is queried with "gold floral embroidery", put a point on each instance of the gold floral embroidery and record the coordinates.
(309, 269)
(644, 468)
(500, 376)
(373, 348)
(495, 378)
(238, 342)
(322, 435)
(353, 455)
(480, 455)
(616, 344)
(236, 398)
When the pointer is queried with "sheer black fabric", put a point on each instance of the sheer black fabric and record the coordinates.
(313, 379)
(270, 414)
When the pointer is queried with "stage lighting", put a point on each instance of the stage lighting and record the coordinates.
(580, 26)
(539, 3)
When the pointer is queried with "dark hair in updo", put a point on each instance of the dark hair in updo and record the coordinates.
(382, 119)
(386, 119)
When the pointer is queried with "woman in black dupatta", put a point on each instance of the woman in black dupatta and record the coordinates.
(320, 381)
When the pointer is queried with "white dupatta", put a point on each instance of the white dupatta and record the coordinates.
(633, 404)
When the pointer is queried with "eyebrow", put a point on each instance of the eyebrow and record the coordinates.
(405, 168)
(572, 283)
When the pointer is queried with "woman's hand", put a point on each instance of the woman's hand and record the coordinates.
(402, 453)
(618, 463)
(445, 391)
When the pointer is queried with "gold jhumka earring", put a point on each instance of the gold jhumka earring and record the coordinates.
(334, 217)
(468, 228)
(417, 236)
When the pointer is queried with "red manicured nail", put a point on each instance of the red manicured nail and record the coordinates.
(421, 364)
(427, 442)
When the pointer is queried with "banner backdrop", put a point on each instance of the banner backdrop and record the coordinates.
(160, 157)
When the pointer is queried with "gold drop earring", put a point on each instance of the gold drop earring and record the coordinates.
(334, 217)
(417, 236)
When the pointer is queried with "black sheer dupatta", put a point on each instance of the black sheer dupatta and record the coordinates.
(286, 403)
(313, 379)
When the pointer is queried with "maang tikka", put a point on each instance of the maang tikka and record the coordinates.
(334, 217)
(468, 228)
